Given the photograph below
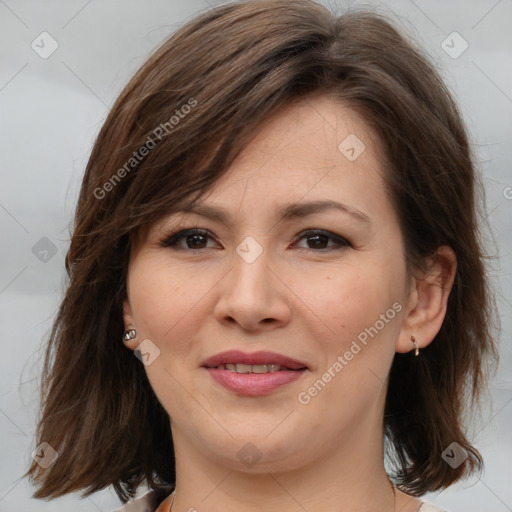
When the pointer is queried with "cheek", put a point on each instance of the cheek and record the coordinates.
(161, 294)
(350, 299)
(361, 306)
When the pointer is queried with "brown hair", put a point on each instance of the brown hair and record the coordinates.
(173, 131)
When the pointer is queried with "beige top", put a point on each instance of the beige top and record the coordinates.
(147, 504)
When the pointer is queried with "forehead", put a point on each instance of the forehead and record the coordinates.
(316, 147)
(310, 120)
(314, 150)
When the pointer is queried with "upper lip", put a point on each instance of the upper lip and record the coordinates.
(261, 357)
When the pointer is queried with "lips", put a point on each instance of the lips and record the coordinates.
(255, 358)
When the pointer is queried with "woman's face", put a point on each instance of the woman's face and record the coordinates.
(324, 286)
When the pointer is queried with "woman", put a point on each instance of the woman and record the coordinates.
(279, 219)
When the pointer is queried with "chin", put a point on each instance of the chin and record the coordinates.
(260, 453)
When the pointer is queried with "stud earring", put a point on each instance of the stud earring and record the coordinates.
(416, 349)
(130, 334)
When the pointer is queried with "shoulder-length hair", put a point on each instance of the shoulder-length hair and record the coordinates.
(172, 133)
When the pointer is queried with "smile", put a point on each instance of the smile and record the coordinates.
(254, 368)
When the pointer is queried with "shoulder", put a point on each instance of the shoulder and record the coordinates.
(146, 503)
(426, 506)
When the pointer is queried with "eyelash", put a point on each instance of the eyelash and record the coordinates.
(172, 239)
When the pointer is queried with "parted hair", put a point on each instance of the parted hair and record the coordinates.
(171, 134)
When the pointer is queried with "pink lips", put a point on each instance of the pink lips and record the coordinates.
(253, 384)
(261, 357)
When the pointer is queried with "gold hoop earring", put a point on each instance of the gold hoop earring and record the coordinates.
(416, 349)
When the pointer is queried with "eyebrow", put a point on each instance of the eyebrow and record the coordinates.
(285, 212)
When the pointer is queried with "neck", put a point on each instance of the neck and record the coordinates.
(349, 478)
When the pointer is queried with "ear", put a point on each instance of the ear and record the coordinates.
(129, 324)
(428, 299)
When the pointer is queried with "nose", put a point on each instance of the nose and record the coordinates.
(253, 295)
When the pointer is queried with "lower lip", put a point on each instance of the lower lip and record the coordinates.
(254, 384)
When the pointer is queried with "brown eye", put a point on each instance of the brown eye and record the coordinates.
(194, 239)
(318, 240)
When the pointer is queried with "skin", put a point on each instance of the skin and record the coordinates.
(295, 299)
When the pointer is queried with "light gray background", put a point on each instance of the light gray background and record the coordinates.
(51, 110)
